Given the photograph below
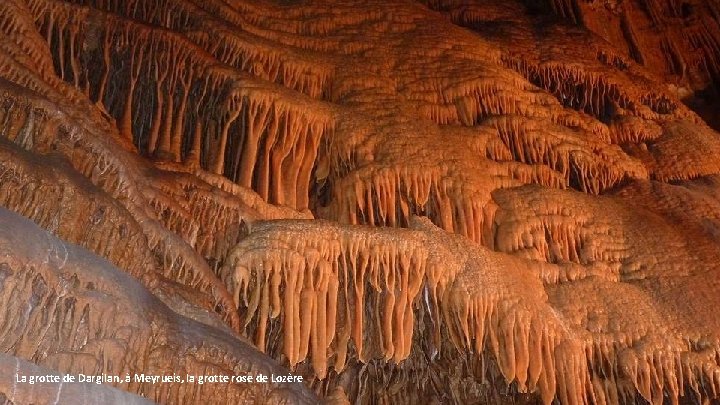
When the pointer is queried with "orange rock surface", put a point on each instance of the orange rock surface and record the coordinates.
(444, 201)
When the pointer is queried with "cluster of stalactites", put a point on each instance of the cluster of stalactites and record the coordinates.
(567, 9)
(291, 27)
(16, 21)
(533, 350)
(274, 147)
(468, 103)
(317, 280)
(683, 35)
(200, 115)
(266, 62)
(562, 150)
(296, 21)
(159, 59)
(594, 93)
(519, 150)
(628, 129)
(30, 125)
(557, 236)
(318, 286)
(702, 38)
(70, 310)
(391, 196)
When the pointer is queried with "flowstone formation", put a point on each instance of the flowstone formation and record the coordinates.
(443, 201)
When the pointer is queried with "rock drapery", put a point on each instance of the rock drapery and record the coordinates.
(459, 201)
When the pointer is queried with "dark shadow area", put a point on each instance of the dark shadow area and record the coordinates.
(706, 104)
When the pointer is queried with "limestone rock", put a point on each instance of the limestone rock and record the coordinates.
(443, 201)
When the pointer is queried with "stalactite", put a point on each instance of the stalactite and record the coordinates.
(184, 263)
(292, 69)
(102, 86)
(551, 162)
(275, 269)
(180, 118)
(154, 136)
(316, 283)
(169, 71)
(256, 123)
(172, 59)
(136, 64)
(68, 309)
(528, 144)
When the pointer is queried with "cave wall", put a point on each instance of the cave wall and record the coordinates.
(455, 201)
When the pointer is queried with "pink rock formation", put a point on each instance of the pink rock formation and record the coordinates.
(70, 310)
(455, 201)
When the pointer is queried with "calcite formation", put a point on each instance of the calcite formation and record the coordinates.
(444, 201)
(68, 309)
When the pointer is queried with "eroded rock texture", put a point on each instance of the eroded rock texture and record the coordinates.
(70, 310)
(445, 201)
